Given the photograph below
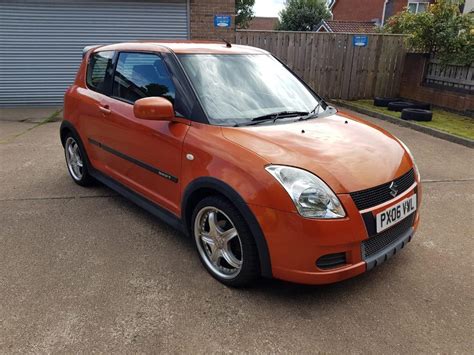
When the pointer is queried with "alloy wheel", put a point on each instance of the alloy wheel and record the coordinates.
(74, 159)
(218, 242)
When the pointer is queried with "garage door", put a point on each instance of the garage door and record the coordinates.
(41, 41)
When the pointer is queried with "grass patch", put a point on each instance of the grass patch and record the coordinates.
(445, 121)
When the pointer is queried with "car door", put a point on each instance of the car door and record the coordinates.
(93, 109)
(144, 155)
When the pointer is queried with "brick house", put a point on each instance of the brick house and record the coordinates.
(346, 26)
(263, 23)
(201, 19)
(377, 11)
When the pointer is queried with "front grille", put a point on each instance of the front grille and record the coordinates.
(330, 261)
(380, 241)
(376, 195)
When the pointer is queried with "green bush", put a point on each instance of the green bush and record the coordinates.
(245, 12)
(441, 31)
(303, 15)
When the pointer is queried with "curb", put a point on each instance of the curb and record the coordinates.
(398, 121)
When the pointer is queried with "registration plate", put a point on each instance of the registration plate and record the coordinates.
(395, 213)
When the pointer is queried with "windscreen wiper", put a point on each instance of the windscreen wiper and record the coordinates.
(313, 114)
(273, 117)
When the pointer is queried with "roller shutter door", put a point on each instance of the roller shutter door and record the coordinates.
(41, 41)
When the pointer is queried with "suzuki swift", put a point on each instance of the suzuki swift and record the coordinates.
(226, 144)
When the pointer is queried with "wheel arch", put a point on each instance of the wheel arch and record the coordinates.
(206, 186)
(65, 128)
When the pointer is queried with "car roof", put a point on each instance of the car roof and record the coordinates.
(182, 47)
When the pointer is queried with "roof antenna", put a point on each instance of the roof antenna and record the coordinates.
(227, 43)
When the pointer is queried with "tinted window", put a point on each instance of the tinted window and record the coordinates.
(140, 75)
(97, 70)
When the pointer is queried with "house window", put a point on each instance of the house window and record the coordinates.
(417, 7)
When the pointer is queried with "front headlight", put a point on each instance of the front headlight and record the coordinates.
(311, 196)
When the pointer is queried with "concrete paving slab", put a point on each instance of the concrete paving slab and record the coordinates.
(84, 270)
(10, 129)
(33, 114)
(33, 166)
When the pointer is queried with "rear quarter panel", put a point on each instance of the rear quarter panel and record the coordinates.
(73, 98)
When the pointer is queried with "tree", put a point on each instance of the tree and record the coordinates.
(245, 13)
(303, 15)
(442, 31)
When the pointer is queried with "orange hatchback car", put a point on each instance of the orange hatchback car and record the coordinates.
(225, 143)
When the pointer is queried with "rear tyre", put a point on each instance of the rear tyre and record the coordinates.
(384, 101)
(398, 106)
(417, 114)
(224, 243)
(76, 161)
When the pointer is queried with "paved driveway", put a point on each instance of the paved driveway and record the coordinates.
(85, 270)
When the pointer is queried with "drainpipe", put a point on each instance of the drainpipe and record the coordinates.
(383, 12)
(330, 5)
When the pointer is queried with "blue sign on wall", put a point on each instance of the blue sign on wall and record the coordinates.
(222, 21)
(360, 41)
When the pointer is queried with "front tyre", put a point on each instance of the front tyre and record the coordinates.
(224, 242)
(76, 162)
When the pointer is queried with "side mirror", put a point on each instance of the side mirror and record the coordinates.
(154, 108)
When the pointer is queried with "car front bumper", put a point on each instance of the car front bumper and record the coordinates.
(296, 244)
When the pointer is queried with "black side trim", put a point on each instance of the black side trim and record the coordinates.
(165, 215)
(134, 161)
(241, 205)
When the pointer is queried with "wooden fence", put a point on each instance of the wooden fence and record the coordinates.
(450, 77)
(332, 65)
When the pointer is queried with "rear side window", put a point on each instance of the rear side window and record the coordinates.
(140, 75)
(97, 70)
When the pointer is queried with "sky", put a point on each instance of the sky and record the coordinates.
(268, 8)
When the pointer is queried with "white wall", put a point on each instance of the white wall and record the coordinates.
(468, 6)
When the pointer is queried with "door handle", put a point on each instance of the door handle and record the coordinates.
(105, 109)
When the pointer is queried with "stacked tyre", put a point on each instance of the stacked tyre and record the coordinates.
(398, 106)
(415, 111)
(384, 101)
(417, 114)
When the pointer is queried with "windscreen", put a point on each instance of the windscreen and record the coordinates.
(234, 89)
